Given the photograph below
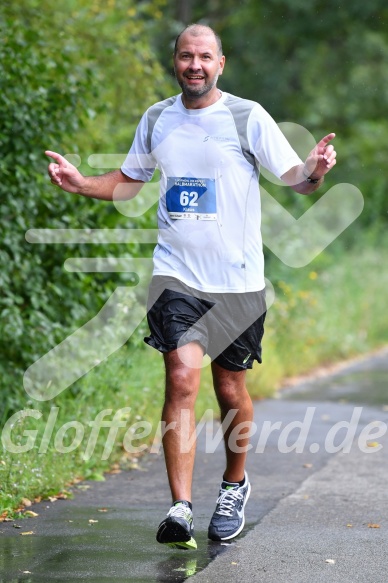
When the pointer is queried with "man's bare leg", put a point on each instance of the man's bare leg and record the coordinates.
(228, 518)
(232, 393)
(182, 384)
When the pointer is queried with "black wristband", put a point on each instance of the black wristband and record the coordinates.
(312, 180)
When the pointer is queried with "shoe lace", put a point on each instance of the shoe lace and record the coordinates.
(180, 511)
(227, 501)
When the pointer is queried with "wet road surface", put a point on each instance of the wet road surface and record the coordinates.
(107, 531)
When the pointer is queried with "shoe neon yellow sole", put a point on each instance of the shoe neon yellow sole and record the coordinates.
(185, 546)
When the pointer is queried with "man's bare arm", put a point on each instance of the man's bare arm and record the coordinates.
(318, 163)
(296, 179)
(110, 186)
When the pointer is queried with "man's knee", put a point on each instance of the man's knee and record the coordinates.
(232, 395)
(228, 398)
(181, 384)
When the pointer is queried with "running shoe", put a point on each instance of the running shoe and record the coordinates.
(228, 519)
(177, 530)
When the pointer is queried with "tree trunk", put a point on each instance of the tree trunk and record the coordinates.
(184, 11)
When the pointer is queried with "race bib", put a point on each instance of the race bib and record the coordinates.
(191, 198)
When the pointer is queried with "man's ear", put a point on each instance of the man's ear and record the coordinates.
(222, 64)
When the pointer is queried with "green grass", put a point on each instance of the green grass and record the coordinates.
(331, 310)
(324, 315)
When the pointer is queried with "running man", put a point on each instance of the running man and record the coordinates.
(207, 291)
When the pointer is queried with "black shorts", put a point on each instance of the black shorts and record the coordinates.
(228, 326)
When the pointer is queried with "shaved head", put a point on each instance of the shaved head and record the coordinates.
(198, 30)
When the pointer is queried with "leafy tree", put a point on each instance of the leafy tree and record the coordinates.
(56, 64)
(324, 66)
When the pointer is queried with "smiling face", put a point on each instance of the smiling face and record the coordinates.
(197, 65)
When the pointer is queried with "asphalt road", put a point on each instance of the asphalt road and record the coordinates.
(315, 515)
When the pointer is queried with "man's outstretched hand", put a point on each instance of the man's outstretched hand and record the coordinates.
(64, 174)
(321, 159)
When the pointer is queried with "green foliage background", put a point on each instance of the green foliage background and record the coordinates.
(76, 77)
(67, 74)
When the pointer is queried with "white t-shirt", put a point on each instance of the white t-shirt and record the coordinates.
(209, 209)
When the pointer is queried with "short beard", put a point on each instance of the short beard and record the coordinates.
(193, 93)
